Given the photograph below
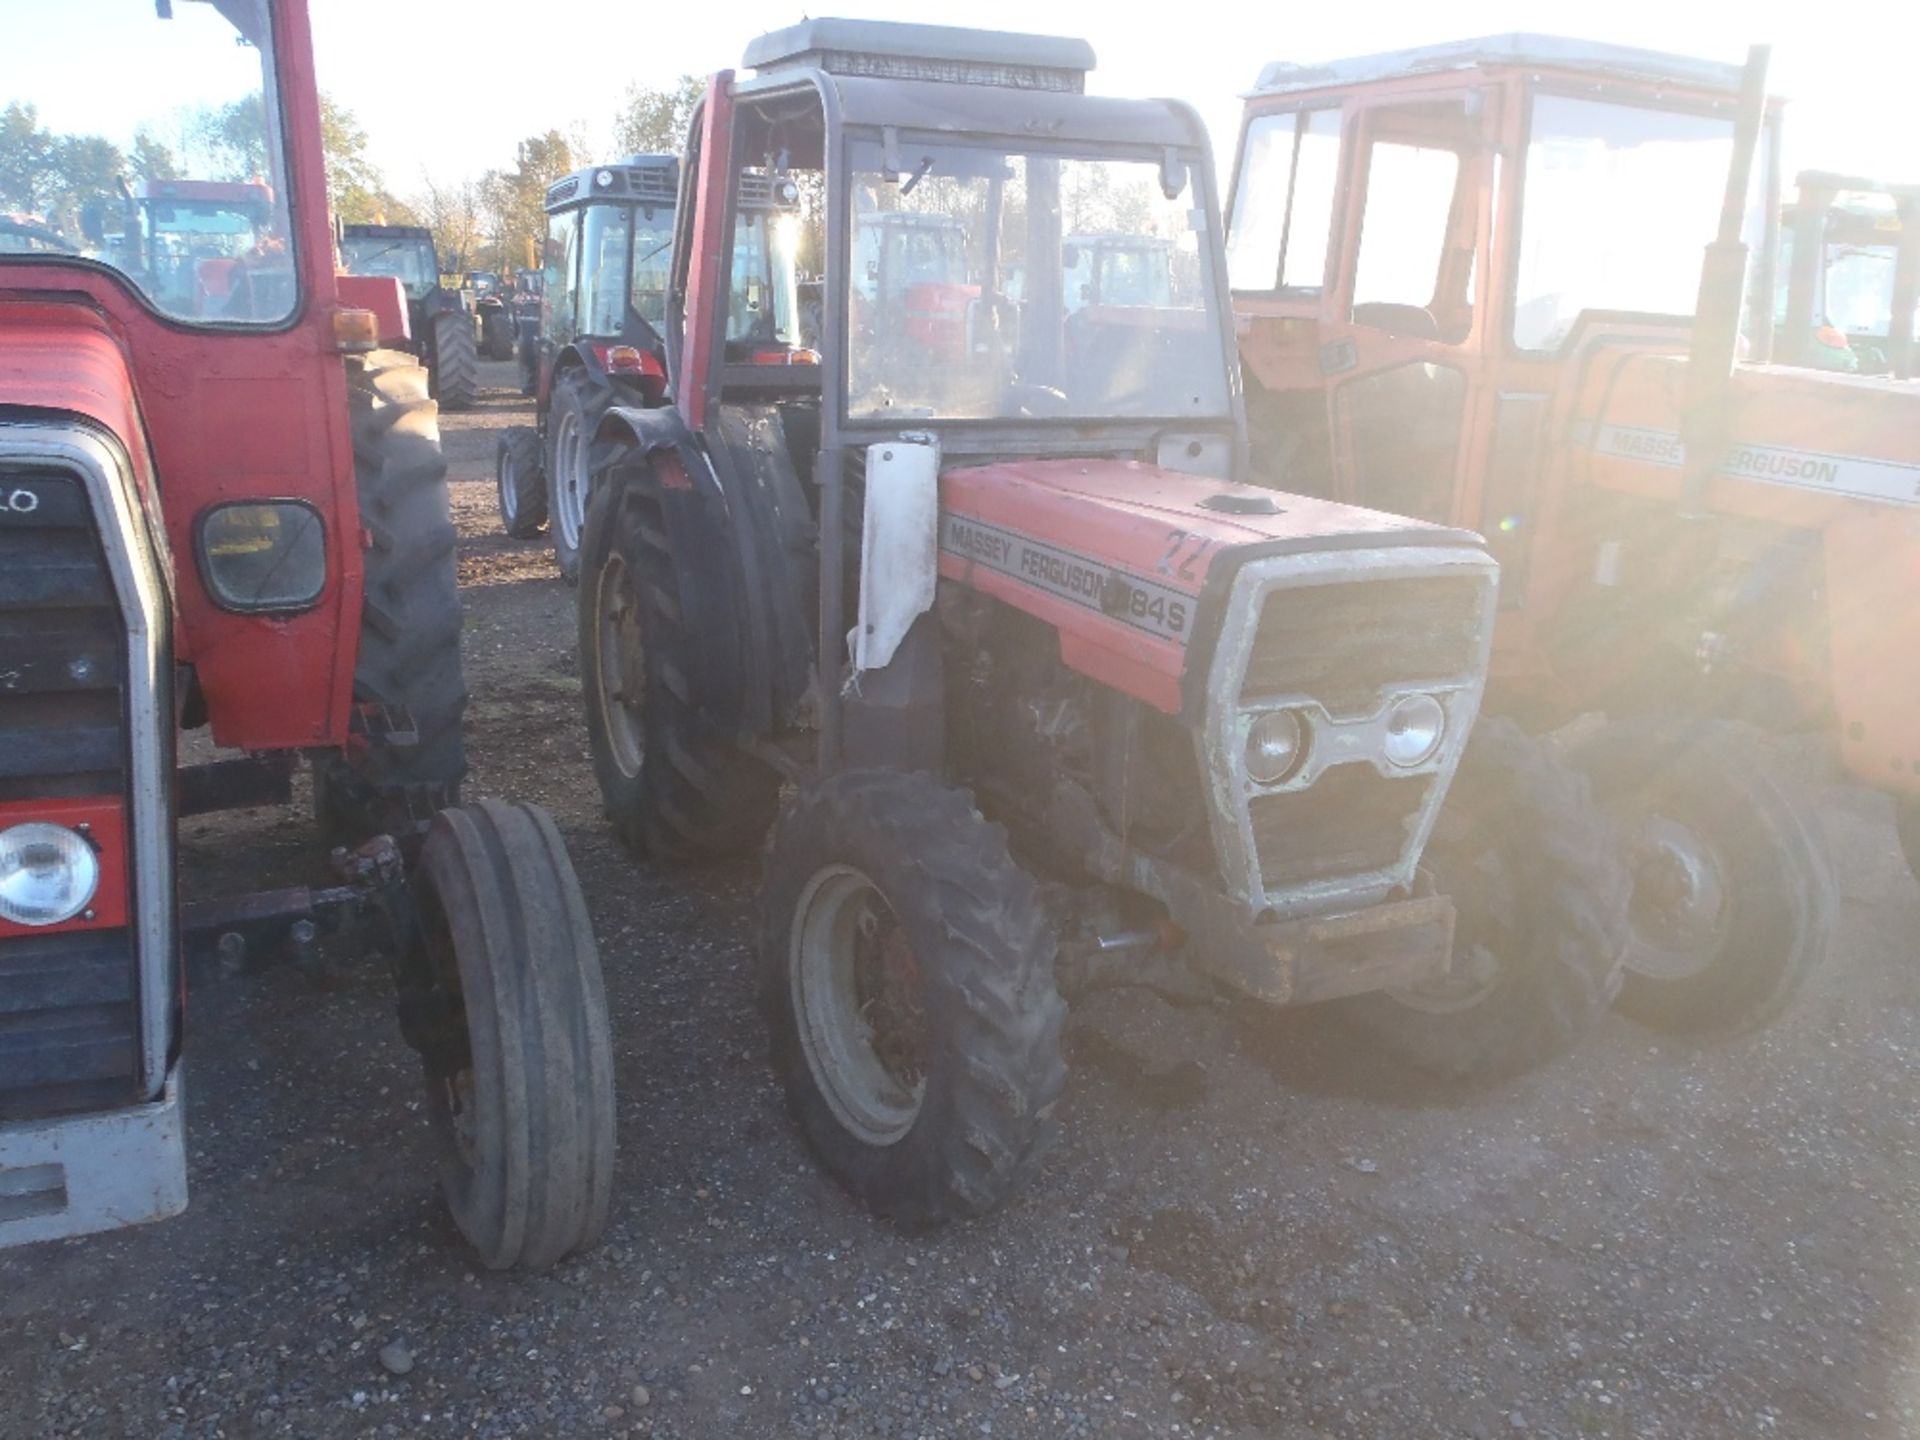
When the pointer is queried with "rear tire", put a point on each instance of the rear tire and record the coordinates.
(409, 657)
(456, 364)
(1541, 887)
(496, 333)
(520, 1083)
(521, 485)
(574, 414)
(673, 789)
(1734, 894)
(907, 980)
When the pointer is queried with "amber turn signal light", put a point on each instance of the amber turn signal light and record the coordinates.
(355, 330)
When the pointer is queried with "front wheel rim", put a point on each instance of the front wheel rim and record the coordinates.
(620, 658)
(1681, 901)
(854, 985)
(571, 477)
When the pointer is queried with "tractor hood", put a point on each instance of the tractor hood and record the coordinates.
(1130, 562)
(62, 359)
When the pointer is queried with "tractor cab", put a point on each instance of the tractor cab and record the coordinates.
(1849, 263)
(209, 248)
(403, 251)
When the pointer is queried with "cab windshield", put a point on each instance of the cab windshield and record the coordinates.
(411, 261)
(139, 137)
(977, 292)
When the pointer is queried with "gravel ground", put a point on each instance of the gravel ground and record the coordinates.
(1246, 1230)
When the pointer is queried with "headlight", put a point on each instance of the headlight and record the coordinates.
(603, 179)
(48, 873)
(1275, 746)
(1414, 730)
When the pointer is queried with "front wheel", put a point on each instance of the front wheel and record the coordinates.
(907, 980)
(507, 1008)
(521, 485)
(1734, 896)
(496, 335)
(1906, 821)
(1541, 889)
(570, 426)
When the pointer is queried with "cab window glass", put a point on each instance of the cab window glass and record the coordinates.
(1283, 206)
(557, 278)
(605, 233)
(1403, 231)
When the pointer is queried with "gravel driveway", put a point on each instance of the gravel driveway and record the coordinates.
(1247, 1229)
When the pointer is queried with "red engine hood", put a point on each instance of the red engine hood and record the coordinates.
(1116, 555)
(64, 358)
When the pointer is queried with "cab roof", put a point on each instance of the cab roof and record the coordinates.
(1517, 50)
(949, 53)
(648, 179)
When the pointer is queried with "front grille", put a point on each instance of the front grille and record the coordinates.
(1343, 644)
(69, 1013)
(1351, 821)
(62, 648)
(69, 1023)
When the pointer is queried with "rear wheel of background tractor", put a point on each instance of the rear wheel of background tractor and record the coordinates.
(1734, 897)
(1541, 888)
(510, 1017)
(456, 362)
(409, 658)
(672, 790)
(522, 486)
(570, 426)
(496, 334)
(907, 979)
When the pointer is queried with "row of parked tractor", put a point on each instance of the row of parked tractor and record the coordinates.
(1376, 599)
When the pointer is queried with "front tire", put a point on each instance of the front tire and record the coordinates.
(409, 656)
(456, 363)
(570, 425)
(496, 335)
(519, 1067)
(1541, 888)
(672, 789)
(521, 485)
(1734, 896)
(907, 980)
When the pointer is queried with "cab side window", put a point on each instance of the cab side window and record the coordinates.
(1283, 204)
(563, 243)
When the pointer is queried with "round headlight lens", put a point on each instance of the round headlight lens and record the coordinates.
(603, 179)
(1414, 730)
(48, 873)
(1275, 746)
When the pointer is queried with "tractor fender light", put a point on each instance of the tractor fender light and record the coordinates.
(356, 331)
(48, 873)
(262, 556)
(625, 360)
(1415, 727)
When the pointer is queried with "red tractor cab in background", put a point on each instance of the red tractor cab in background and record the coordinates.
(1848, 276)
(223, 508)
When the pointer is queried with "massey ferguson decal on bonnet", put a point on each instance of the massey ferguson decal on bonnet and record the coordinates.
(1130, 599)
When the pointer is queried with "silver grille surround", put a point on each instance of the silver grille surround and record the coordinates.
(1334, 740)
(142, 585)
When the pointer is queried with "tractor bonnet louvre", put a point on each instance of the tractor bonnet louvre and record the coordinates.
(891, 50)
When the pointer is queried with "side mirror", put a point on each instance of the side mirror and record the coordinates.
(1173, 175)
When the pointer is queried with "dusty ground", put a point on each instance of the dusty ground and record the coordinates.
(1246, 1230)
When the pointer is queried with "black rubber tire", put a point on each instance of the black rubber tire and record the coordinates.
(689, 795)
(1541, 884)
(456, 361)
(506, 930)
(519, 481)
(409, 656)
(1782, 895)
(575, 409)
(1906, 823)
(496, 334)
(983, 952)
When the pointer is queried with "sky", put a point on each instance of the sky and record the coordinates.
(1848, 68)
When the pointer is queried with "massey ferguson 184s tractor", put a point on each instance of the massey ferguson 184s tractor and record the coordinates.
(1470, 286)
(1062, 701)
(237, 519)
(603, 301)
(441, 328)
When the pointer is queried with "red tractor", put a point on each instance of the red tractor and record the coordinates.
(1056, 699)
(233, 517)
(1470, 287)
